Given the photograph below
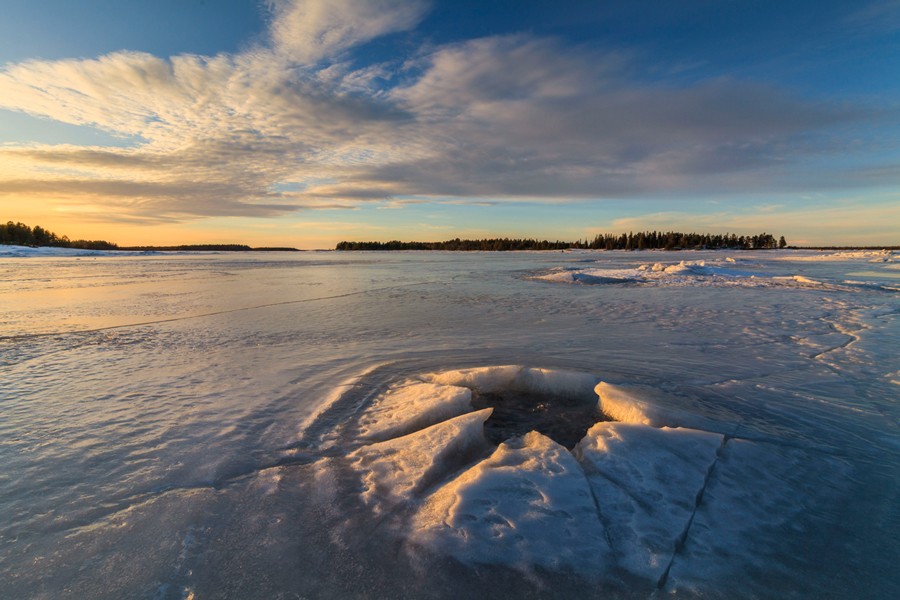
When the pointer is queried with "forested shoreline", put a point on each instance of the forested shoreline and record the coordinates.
(20, 234)
(643, 240)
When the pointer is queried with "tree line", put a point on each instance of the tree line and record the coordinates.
(20, 234)
(643, 240)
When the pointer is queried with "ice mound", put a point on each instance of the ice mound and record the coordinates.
(683, 273)
(528, 504)
(395, 469)
(413, 406)
(647, 482)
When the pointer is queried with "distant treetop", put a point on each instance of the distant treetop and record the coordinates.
(643, 240)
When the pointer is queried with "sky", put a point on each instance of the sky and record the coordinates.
(305, 122)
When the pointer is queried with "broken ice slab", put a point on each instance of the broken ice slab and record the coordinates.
(652, 406)
(646, 482)
(520, 379)
(394, 470)
(404, 409)
(526, 505)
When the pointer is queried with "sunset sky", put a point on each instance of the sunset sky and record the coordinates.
(305, 122)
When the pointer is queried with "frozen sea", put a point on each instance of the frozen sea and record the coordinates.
(358, 425)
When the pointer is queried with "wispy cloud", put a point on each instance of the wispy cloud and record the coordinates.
(488, 119)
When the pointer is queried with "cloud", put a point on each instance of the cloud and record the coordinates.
(308, 31)
(499, 117)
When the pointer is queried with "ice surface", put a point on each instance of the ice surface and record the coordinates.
(208, 413)
(413, 406)
(646, 482)
(526, 505)
(394, 470)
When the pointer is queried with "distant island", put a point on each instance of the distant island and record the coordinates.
(20, 234)
(207, 248)
(643, 240)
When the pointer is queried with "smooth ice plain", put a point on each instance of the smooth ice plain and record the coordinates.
(441, 425)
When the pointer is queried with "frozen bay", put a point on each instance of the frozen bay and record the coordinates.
(221, 425)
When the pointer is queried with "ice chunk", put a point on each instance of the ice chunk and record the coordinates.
(394, 470)
(528, 504)
(521, 379)
(405, 409)
(646, 482)
(649, 406)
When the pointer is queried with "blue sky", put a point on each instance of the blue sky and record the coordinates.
(304, 122)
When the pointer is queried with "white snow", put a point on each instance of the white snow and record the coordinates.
(394, 470)
(646, 482)
(413, 406)
(526, 505)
